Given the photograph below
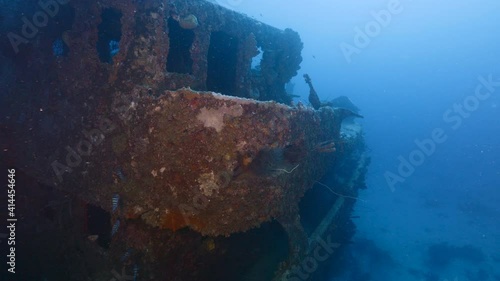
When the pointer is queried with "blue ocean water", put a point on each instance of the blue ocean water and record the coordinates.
(427, 79)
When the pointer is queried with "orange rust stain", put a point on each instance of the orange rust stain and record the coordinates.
(194, 103)
(247, 160)
(175, 221)
(177, 178)
(132, 215)
(189, 95)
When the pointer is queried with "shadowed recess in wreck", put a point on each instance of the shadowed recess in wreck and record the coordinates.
(179, 56)
(222, 62)
(110, 30)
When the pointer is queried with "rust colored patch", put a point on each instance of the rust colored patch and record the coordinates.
(173, 221)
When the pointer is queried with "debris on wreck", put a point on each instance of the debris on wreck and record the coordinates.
(313, 96)
(343, 103)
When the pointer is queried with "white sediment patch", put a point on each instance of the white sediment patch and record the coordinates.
(214, 118)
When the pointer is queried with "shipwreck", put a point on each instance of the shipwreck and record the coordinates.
(155, 140)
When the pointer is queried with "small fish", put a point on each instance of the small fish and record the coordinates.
(115, 228)
(126, 255)
(136, 272)
(115, 201)
(119, 174)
